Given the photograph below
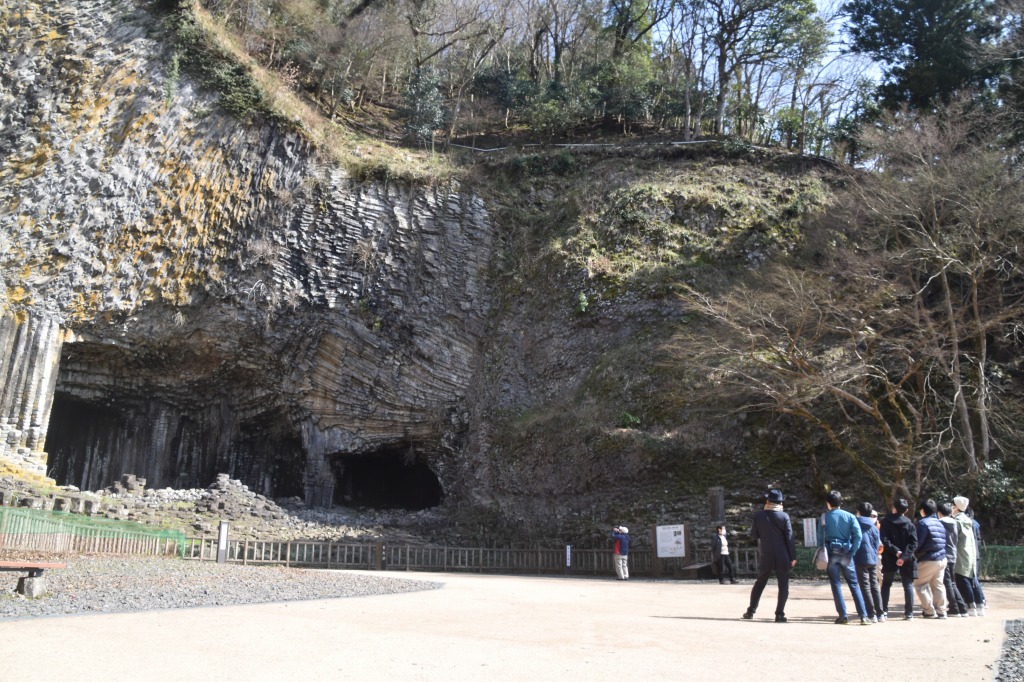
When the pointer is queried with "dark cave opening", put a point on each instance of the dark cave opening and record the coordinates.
(78, 432)
(386, 479)
(91, 445)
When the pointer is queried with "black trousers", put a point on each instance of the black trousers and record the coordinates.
(908, 591)
(955, 599)
(724, 562)
(764, 572)
(966, 587)
(867, 576)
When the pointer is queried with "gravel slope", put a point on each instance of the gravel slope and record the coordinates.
(1011, 663)
(106, 584)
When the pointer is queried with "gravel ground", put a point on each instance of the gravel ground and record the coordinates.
(92, 584)
(1011, 663)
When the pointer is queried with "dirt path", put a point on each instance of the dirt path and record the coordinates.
(509, 628)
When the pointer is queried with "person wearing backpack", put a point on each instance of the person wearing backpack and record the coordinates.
(866, 562)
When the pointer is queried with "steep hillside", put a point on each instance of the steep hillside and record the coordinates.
(582, 413)
(192, 289)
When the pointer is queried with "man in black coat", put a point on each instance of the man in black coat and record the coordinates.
(899, 538)
(773, 532)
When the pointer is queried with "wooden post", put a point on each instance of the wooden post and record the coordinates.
(655, 560)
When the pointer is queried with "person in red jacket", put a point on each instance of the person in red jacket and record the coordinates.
(620, 554)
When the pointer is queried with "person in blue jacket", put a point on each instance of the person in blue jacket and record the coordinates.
(620, 554)
(931, 561)
(866, 561)
(841, 535)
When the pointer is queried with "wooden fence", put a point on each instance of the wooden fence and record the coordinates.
(400, 557)
(31, 530)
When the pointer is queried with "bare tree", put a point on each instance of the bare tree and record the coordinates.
(888, 348)
(748, 32)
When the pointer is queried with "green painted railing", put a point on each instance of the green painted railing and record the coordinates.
(48, 531)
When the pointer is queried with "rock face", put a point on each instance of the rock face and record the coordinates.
(184, 295)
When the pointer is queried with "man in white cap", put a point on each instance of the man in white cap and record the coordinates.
(620, 554)
(965, 569)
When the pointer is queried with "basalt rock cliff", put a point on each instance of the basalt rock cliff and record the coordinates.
(183, 295)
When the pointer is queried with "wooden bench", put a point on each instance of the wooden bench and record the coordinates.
(31, 585)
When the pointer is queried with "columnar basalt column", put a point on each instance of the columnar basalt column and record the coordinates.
(29, 355)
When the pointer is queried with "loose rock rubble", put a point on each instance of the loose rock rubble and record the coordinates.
(1011, 663)
(197, 512)
(114, 584)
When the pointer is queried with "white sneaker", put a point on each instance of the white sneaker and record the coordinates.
(980, 609)
(971, 611)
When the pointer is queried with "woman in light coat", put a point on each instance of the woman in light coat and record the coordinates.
(966, 556)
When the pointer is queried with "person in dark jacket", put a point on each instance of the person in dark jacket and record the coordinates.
(620, 553)
(899, 538)
(977, 563)
(957, 605)
(866, 561)
(773, 532)
(720, 552)
(931, 561)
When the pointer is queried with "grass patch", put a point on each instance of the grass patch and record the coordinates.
(651, 234)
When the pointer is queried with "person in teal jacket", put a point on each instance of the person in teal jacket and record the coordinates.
(841, 535)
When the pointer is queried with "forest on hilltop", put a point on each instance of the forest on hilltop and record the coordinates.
(792, 73)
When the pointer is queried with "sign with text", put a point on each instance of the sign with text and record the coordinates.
(810, 532)
(671, 541)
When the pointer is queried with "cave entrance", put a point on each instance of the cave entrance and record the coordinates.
(386, 479)
(80, 442)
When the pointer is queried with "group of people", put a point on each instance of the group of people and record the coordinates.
(936, 557)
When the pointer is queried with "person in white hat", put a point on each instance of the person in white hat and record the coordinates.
(620, 554)
(965, 569)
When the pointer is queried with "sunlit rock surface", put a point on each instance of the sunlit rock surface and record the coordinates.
(219, 301)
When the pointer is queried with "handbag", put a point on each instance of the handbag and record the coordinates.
(821, 558)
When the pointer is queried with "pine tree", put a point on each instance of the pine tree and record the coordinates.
(928, 47)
